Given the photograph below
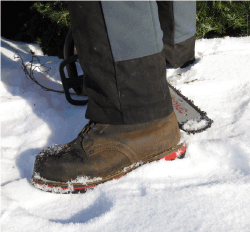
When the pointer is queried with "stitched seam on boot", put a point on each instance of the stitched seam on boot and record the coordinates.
(103, 128)
(116, 146)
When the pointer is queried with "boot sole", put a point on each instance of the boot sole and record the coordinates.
(178, 151)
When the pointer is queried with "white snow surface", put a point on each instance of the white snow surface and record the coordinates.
(209, 190)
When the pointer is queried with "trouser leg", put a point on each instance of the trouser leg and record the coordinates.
(178, 23)
(120, 50)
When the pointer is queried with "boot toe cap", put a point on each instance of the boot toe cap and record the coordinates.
(59, 166)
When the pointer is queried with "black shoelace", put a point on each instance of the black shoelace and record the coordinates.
(89, 126)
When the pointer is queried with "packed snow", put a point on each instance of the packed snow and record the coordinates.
(208, 190)
(195, 124)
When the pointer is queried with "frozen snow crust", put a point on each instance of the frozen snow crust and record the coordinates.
(206, 191)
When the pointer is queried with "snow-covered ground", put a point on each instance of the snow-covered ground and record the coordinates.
(209, 190)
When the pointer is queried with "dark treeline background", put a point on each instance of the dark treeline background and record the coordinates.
(47, 23)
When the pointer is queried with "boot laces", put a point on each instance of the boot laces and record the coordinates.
(89, 126)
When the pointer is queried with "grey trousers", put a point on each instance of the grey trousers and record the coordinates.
(124, 49)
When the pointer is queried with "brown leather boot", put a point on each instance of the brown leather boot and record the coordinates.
(102, 152)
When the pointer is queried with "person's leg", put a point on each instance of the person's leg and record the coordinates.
(132, 119)
(120, 51)
(178, 23)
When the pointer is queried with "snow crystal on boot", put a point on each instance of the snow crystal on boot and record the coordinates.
(52, 150)
(84, 180)
(134, 165)
(38, 177)
(47, 188)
